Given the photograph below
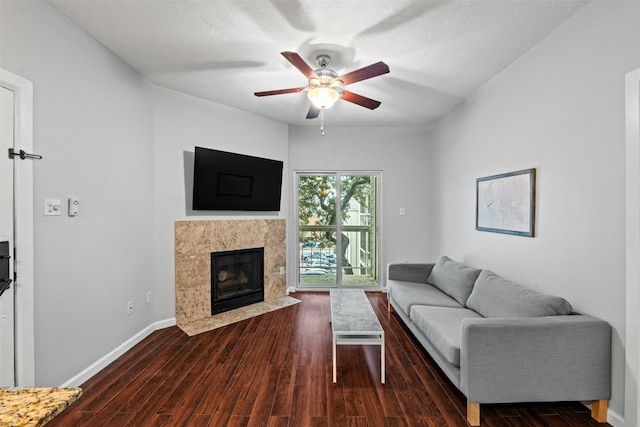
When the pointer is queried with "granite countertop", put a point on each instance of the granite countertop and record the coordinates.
(34, 406)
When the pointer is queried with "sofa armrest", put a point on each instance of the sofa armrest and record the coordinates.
(541, 359)
(406, 272)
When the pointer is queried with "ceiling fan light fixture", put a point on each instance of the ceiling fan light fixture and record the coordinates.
(323, 97)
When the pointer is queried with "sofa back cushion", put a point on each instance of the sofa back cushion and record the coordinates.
(494, 296)
(417, 272)
(453, 278)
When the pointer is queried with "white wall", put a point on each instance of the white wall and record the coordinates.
(119, 144)
(402, 154)
(182, 122)
(560, 109)
(92, 125)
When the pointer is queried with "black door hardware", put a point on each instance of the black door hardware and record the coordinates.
(23, 155)
(5, 281)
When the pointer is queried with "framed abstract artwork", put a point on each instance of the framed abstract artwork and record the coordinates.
(506, 203)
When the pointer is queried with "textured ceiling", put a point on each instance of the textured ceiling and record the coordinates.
(225, 50)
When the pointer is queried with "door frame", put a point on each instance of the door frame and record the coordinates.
(632, 321)
(23, 223)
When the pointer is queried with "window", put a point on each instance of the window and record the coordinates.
(337, 229)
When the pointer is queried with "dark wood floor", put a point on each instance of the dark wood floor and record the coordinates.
(275, 370)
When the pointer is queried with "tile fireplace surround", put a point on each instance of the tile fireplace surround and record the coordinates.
(194, 242)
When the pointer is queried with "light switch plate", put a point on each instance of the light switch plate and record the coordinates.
(74, 206)
(52, 207)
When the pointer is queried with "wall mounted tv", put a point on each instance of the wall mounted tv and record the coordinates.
(236, 182)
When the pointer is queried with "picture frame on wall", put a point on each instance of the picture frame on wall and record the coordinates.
(505, 203)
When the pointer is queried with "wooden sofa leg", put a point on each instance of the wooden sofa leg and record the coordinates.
(389, 306)
(599, 410)
(473, 413)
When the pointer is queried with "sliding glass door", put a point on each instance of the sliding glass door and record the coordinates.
(337, 229)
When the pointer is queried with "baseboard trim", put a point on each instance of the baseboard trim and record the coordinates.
(162, 324)
(104, 361)
(615, 419)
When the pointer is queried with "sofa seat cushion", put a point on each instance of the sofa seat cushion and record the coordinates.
(407, 294)
(442, 326)
(494, 296)
(453, 278)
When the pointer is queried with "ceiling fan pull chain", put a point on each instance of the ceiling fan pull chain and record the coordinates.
(322, 122)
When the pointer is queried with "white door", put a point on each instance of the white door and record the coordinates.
(17, 315)
(7, 300)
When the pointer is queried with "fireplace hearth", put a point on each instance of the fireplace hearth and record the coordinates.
(237, 279)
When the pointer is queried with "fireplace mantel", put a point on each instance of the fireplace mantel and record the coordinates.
(194, 242)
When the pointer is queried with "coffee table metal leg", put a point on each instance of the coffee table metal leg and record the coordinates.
(334, 359)
(382, 368)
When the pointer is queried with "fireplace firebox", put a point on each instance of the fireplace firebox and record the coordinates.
(237, 279)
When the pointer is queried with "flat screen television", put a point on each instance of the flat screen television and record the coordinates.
(236, 182)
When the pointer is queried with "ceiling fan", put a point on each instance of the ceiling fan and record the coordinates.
(326, 86)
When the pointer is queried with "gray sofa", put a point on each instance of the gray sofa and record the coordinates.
(500, 342)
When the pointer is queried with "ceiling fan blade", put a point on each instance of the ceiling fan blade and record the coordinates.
(313, 112)
(363, 101)
(364, 73)
(297, 61)
(279, 91)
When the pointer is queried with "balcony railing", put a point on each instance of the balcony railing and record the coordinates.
(363, 269)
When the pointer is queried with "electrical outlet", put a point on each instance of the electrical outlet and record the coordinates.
(149, 299)
(129, 308)
(282, 271)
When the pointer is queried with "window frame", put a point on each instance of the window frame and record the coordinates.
(295, 253)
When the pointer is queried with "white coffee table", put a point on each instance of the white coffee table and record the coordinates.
(353, 322)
